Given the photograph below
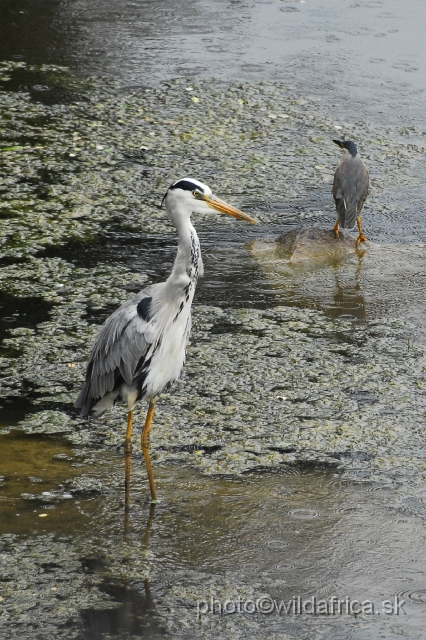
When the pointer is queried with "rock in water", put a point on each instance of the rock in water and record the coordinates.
(310, 244)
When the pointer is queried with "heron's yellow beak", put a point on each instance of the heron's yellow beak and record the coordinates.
(224, 207)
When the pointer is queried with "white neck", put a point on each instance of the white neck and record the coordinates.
(188, 262)
(188, 265)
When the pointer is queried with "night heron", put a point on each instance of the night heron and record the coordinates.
(141, 347)
(350, 189)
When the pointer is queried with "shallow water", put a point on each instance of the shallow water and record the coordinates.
(296, 533)
(72, 565)
(384, 280)
(353, 54)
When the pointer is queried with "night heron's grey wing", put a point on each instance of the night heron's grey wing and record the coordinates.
(350, 189)
(119, 351)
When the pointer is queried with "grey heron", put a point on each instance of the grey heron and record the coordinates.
(141, 347)
(350, 189)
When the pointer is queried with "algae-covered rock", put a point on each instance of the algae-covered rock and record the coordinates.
(309, 243)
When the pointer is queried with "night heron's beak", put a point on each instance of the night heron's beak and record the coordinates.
(339, 143)
(224, 207)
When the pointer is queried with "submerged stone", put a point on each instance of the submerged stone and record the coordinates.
(310, 244)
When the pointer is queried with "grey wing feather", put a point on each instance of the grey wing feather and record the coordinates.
(350, 189)
(117, 352)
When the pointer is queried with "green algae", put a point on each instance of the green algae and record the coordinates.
(276, 389)
(72, 170)
(38, 597)
(281, 387)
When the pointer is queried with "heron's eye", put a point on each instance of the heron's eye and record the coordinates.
(196, 193)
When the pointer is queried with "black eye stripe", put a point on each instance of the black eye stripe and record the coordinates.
(187, 185)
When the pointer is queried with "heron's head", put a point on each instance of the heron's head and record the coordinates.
(348, 145)
(188, 196)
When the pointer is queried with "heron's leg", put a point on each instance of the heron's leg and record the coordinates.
(147, 586)
(145, 450)
(128, 438)
(127, 460)
(361, 237)
(336, 228)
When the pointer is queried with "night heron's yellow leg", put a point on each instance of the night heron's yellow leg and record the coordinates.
(127, 460)
(145, 450)
(361, 237)
(336, 229)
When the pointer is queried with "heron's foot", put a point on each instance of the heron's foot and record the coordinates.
(361, 238)
(336, 229)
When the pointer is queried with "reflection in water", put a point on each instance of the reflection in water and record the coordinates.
(348, 298)
(387, 281)
(133, 608)
(131, 620)
(297, 532)
(330, 284)
(294, 533)
(145, 543)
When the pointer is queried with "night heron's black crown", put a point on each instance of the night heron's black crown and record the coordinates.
(347, 144)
